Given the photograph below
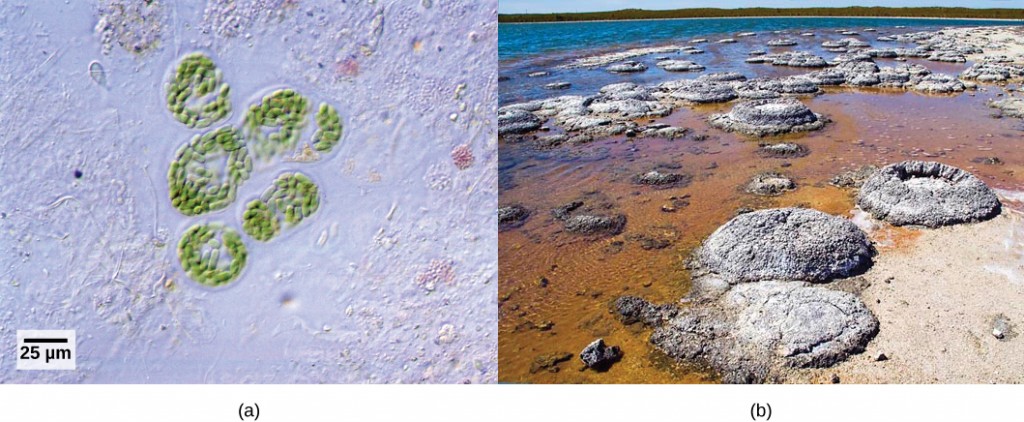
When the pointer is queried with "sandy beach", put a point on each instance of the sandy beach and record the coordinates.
(936, 294)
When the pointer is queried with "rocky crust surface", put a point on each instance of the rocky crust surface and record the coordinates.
(926, 193)
(783, 244)
(754, 332)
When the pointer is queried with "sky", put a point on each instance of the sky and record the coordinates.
(550, 6)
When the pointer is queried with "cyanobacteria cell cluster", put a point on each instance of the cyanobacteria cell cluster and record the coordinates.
(208, 170)
(212, 254)
(292, 196)
(198, 96)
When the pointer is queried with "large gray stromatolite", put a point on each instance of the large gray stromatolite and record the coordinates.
(783, 244)
(756, 330)
(751, 332)
(768, 117)
(927, 193)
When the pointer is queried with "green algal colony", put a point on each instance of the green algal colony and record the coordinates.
(196, 183)
(293, 195)
(329, 128)
(284, 110)
(212, 254)
(208, 170)
(188, 94)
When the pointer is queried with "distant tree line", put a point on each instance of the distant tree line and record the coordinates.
(627, 14)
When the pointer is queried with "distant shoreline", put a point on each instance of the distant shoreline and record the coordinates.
(761, 12)
(764, 17)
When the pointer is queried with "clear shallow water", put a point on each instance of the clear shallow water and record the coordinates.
(517, 41)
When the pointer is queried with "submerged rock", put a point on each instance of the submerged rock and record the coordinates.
(768, 117)
(599, 357)
(784, 244)
(516, 120)
(770, 184)
(781, 42)
(549, 362)
(853, 178)
(1013, 107)
(927, 194)
(627, 66)
(558, 85)
(512, 216)
(657, 178)
(595, 224)
(782, 150)
(679, 66)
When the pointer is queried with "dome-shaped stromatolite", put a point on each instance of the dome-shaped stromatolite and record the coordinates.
(784, 244)
(701, 92)
(806, 326)
(768, 117)
(755, 331)
(927, 194)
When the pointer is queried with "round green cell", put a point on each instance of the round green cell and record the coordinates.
(211, 254)
(328, 128)
(293, 196)
(259, 221)
(197, 95)
(207, 172)
(274, 126)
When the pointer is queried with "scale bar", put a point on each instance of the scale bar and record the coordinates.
(45, 340)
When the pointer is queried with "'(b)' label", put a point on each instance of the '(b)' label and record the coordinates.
(46, 350)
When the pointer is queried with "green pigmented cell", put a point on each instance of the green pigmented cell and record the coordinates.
(274, 126)
(292, 195)
(207, 172)
(328, 129)
(211, 254)
(259, 221)
(189, 92)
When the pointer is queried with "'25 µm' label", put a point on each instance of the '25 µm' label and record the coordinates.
(46, 350)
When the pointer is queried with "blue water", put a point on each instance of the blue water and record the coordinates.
(517, 41)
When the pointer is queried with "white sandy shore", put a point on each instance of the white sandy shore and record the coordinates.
(935, 299)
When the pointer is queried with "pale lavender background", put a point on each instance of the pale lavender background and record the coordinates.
(92, 254)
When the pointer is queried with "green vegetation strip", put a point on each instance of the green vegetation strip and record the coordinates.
(328, 129)
(188, 93)
(284, 110)
(208, 171)
(211, 254)
(628, 14)
(293, 195)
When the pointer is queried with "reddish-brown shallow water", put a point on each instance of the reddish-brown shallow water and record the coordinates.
(585, 275)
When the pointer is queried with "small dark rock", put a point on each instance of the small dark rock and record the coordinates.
(78, 174)
(881, 357)
(835, 379)
(992, 161)
(563, 211)
(599, 357)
